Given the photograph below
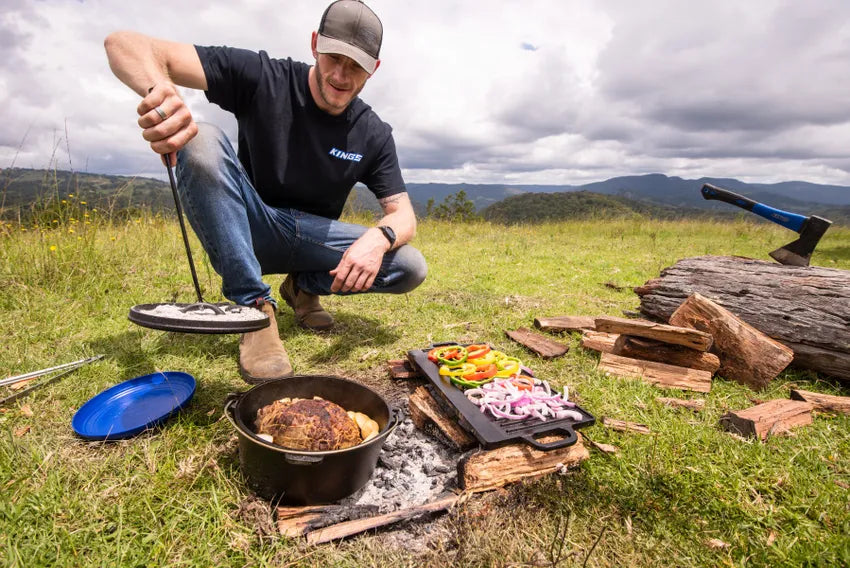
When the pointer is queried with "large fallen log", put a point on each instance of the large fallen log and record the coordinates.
(806, 308)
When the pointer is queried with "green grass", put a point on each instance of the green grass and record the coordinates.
(175, 497)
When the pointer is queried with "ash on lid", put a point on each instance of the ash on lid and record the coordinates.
(231, 313)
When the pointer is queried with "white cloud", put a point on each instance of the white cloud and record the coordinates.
(542, 91)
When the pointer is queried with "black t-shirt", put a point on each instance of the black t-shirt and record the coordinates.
(295, 154)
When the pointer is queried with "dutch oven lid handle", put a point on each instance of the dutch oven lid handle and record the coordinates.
(229, 401)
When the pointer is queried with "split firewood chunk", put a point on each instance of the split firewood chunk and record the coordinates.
(599, 341)
(771, 418)
(823, 402)
(561, 324)
(482, 470)
(540, 344)
(658, 374)
(423, 409)
(677, 335)
(747, 356)
(652, 350)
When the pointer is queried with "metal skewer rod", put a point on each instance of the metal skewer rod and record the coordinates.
(33, 374)
(38, 385)
(182, 226)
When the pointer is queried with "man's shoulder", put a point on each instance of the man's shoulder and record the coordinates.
(237, 56)
(365, 115)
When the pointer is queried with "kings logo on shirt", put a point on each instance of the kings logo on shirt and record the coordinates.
(351, 156)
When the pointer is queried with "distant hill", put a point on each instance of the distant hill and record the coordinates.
(832, 202)
(655, 195)
(538, 207)
(20, 188)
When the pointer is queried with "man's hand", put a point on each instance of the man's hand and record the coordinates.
(166, 135)
(360, 263)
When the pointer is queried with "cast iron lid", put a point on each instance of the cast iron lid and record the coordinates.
(491, 432)
(200, 317)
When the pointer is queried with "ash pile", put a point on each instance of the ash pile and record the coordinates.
(413, 468)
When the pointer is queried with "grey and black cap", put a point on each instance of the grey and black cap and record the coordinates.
(351, 28)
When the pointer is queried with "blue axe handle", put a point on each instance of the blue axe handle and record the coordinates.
(788, 220)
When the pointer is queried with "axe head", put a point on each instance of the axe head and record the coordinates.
(799, 252)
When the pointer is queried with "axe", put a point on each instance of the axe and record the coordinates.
(811, 229)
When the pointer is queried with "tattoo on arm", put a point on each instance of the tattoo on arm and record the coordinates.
(390, 200)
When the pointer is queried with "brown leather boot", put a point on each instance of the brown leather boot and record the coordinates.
(261, 353)
(309, 313)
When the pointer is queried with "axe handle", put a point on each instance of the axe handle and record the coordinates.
(788, 220)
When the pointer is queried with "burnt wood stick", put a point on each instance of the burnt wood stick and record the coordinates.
(696, 404)
(350, 528)
(625, 426)
(677, 335)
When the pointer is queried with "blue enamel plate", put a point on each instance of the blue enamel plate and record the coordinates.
(131, 407)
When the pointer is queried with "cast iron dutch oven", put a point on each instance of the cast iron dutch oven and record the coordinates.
(304, 478)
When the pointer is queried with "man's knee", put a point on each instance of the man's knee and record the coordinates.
(413, 265)
(205, 151)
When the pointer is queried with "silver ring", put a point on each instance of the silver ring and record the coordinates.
(161, 113)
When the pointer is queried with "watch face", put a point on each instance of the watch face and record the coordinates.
(389, 233)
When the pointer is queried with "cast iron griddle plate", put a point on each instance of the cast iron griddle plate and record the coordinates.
(141, 315)
(492, 432)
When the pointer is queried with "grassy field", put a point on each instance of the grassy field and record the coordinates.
(687, 495)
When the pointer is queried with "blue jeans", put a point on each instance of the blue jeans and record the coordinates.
(245, 238)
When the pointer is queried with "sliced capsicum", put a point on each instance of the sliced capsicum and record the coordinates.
(459, 371)
(508, 367)
(451, 355)
(477, 351)
(481, 372)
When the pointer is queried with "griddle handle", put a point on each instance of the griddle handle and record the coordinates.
(571, 439)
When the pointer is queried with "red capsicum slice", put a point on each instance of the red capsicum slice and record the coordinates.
(476, 351)
(481, 373)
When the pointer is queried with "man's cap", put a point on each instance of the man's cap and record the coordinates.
(350, 28)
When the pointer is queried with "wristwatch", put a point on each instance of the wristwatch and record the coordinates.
(389, 233)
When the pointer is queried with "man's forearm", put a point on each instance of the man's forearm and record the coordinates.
(134, 61)
(400, 217)
(141, 62)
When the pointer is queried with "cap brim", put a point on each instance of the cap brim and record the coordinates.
(325, 44)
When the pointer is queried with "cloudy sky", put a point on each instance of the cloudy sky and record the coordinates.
(536, 92)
